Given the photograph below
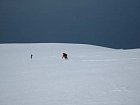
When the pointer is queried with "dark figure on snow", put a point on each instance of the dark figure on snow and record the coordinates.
(31, 56)
(65, 56)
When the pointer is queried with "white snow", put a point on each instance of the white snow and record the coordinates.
(93, 75)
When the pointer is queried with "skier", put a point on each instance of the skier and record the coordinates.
(65, 56)
(31, 56)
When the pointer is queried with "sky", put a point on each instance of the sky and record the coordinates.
(109, 23)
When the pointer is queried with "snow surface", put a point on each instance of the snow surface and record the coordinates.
(93, 75)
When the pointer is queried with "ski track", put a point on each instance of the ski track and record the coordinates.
(102, 60)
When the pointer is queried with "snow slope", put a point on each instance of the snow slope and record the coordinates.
(93, 75)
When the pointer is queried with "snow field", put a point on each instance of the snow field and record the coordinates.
(93, 75)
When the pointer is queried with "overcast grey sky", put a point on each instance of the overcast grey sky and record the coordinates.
(111, 23)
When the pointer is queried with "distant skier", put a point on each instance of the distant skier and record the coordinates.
(65, 56)
(31, 56)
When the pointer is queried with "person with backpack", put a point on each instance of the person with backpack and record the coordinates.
(65, 56)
